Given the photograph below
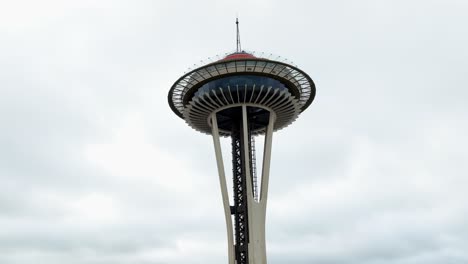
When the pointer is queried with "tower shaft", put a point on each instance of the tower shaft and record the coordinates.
(240, 208)
(246, 236)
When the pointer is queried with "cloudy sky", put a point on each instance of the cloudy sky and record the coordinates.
(96, 169)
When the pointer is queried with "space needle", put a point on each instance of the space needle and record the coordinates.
(242, 96)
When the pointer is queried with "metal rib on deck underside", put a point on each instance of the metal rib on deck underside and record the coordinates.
(285, 106)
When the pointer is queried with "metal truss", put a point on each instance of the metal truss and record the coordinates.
(240, 210)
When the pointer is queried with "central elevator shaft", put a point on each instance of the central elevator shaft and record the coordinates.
(240, 208)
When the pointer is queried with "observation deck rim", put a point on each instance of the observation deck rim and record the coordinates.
(219, 62)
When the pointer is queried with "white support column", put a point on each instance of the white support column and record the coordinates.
(224, 191)
(246, 140)
(257, 210)
(267, 159)
(261, 205)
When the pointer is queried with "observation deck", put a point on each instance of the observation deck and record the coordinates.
(240, 78)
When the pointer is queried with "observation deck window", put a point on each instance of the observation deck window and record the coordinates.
(241, 81)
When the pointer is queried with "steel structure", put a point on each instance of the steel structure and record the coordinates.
(242, 96)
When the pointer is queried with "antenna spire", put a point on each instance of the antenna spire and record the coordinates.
(238, 47)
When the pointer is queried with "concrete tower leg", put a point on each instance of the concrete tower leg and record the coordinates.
(224, 191)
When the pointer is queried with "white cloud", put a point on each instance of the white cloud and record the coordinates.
(130, 155)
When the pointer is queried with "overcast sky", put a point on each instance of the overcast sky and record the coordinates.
(96, 169)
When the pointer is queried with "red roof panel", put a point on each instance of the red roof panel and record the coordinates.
(239, 56)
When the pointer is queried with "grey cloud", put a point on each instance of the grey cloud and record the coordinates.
(373, 172)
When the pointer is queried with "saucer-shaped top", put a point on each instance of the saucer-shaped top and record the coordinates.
(241, 78)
